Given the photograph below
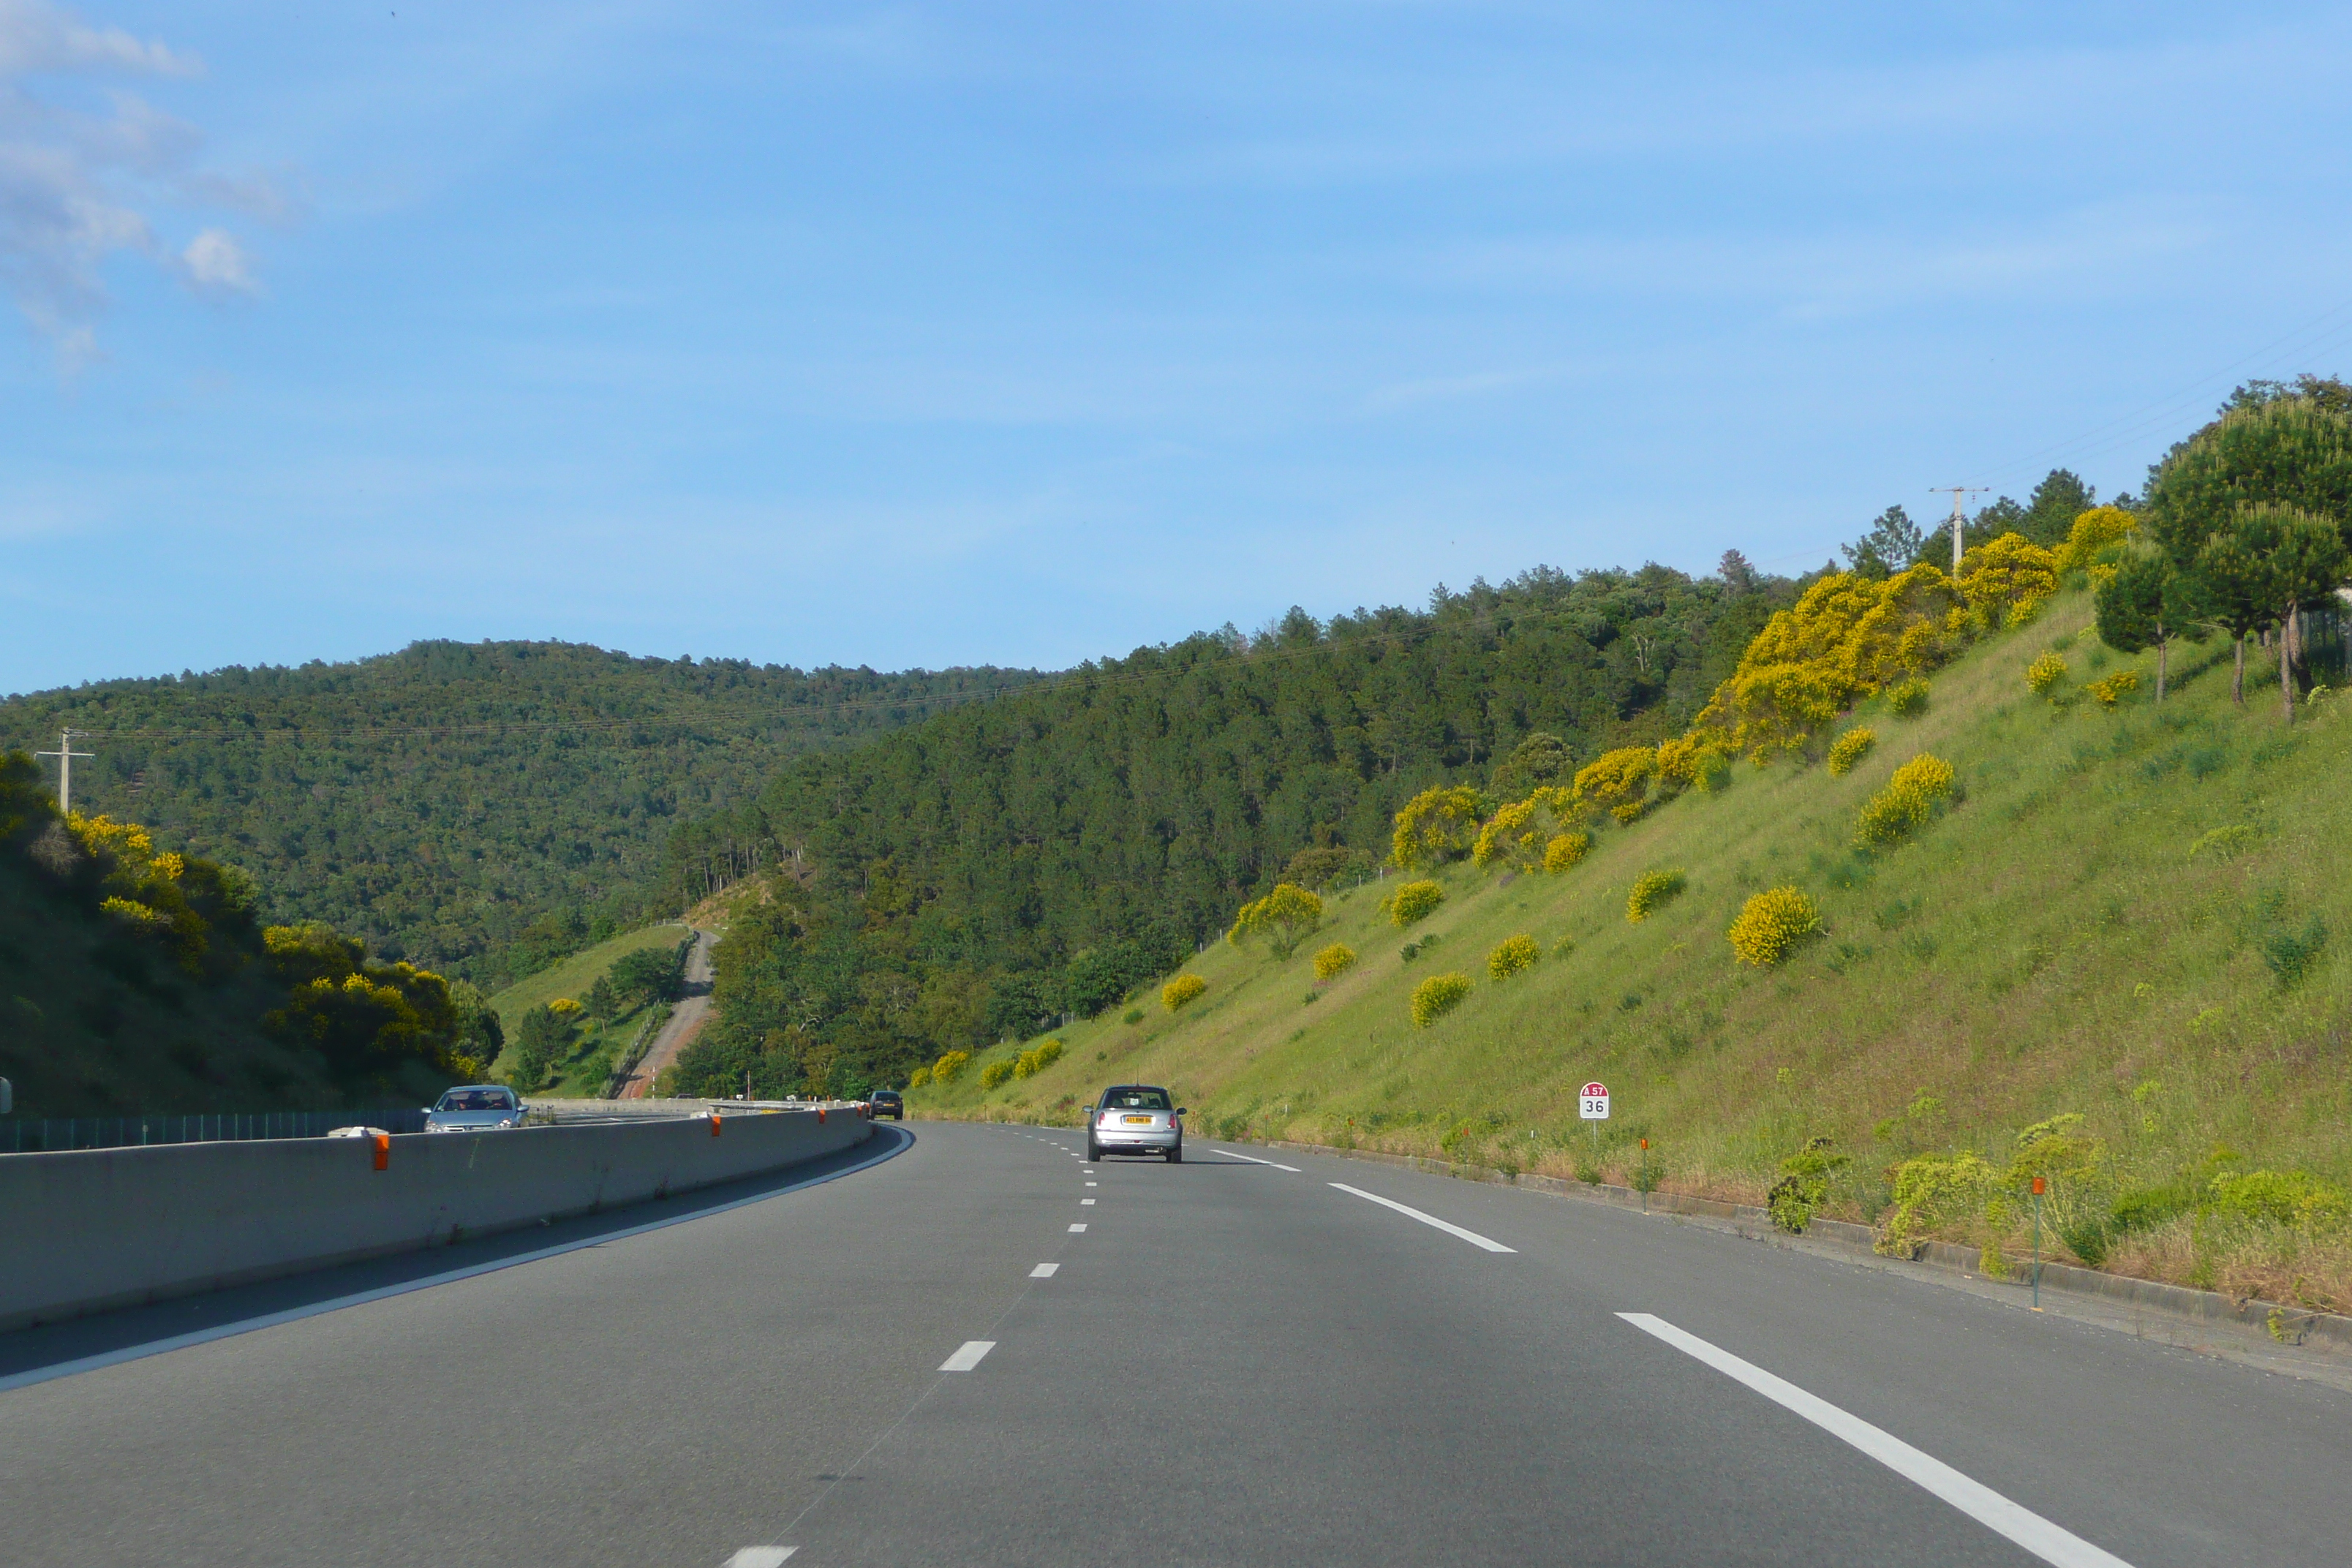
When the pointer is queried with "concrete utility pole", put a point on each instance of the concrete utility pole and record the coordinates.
(64, 754)
(1956, 491)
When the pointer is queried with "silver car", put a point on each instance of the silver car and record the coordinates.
(476, 1108)
(1136, 1119)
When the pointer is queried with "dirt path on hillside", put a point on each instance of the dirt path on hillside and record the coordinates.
(685, 1022)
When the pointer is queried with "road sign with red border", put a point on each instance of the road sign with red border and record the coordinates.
(1593, 1103)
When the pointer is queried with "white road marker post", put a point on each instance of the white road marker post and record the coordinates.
(2037, 1243)
(1592, 1105)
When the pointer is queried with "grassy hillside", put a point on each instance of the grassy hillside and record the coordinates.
(480, 808)
(2127, 918)
(1005, 863)
(595, 1048)
(574, 975)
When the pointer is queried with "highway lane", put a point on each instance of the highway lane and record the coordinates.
(1232, 1362)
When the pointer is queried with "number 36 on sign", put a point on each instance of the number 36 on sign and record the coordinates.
(1594, 1102)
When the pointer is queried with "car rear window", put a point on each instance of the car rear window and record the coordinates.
(1136, 1099)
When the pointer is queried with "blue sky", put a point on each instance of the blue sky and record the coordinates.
(922, 335)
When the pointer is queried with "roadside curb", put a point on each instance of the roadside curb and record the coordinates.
(2288, 1325)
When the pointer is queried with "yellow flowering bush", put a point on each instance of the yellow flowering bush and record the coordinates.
(2092, 531)
(1629, 811)
(996, 1073)
(1413, 901)
(1436, 825)
(1511, 955)
(137, 914)
(1772, 924)
(2006, 572)
(1845, 639)
(1436, 996)
(1564, 851)
(1685, 761)
(1618, 778)
(1904, 806)
(2111, 691)
(339, 1002)
(2045, 672)
(1181, 990)
(1283, 917)
(1651, 890)
(1502, 834)
(949, 1067)
(1334, 961)
(918, 1077)
(1849, 749)
(1517, 833)
(146, 891)
(1907, 699)
(1037, 1059)
(107, 839)
(564, 1007)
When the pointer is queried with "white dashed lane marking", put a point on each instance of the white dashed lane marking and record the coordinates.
(1044, 1271)
(1076, 1228)
(970, 1356)
(1238, 1155)
(1085, 1203)
(1472, 1236)
(761, 1557)
(1981, 1503)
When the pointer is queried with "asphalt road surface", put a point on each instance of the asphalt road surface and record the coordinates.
(925, 1359)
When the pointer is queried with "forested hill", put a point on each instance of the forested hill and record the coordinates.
(1049, 851)
(479, 807)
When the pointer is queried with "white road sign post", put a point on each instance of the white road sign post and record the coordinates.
(1593, 1106)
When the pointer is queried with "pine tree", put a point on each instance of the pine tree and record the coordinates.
(2149, 604)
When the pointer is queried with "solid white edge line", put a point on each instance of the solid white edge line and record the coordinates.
(1044, 1271)
(229, 1330)
(1472, 1236)
(967, 1356)
(1981, 1503)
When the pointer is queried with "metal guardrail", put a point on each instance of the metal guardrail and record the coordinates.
(54, 1134)
(579, 1111)
(618, 1075)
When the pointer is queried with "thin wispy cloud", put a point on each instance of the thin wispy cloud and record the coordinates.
(84, 181)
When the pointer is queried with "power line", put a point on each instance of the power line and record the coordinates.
(64, 754)
(2131, 427)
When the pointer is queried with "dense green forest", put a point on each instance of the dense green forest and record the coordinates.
(963, 879)
(135, 980)
(481, 808)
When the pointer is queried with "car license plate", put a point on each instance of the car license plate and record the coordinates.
(1136, 1120)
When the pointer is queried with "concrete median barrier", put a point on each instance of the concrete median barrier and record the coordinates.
(100, 1229)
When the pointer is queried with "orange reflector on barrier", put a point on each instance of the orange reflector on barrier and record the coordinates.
(383, 1151)
(820, 1116)
(714, 1125)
